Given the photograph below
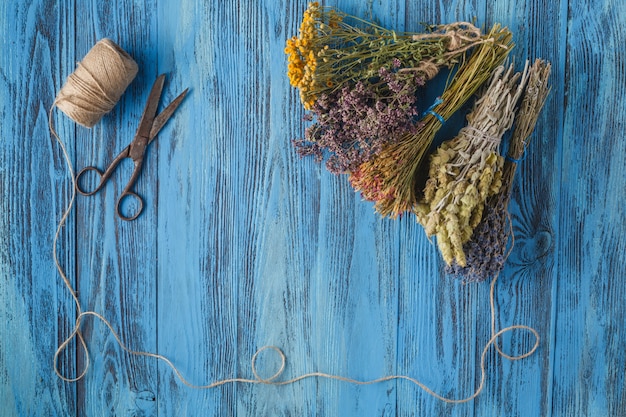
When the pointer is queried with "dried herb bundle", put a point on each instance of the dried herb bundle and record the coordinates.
(466, 170)
(359, 83)
(333, 49)
(354, 123)
(485, 252)
(389, 177)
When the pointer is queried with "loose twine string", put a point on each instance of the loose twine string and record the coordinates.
(92, 86)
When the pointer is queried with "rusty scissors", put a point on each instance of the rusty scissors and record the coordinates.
(149, 127)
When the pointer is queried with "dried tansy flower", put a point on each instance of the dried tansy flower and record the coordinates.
(333, 49)
(466, 170)
(486, 250)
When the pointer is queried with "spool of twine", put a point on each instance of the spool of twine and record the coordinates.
(97, 84)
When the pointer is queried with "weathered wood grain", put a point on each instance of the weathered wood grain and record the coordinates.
(275, 226)
(437, 342)
(197, 240)
(116, 259)
(35, 311)
(353, 282)
(243, 244)
(589, 359)
(526, 290)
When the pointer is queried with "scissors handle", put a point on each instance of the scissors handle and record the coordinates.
(125, 213)
(80, 178)
(132, 213)
(102, 176)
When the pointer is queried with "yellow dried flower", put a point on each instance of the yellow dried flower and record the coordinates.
(333, 48)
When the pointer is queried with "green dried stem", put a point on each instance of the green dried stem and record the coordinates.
(535, 95)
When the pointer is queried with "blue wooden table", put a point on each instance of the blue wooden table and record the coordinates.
(242, 244)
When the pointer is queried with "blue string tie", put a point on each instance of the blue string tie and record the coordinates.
(431, 111)
(517, 161)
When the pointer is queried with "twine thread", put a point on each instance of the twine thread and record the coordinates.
(474, 134)
(514, 160)
(101, 96)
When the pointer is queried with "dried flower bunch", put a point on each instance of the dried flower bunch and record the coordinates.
(486, 250)
(466, 170)
(352, 124)
(333, 49)
(360, 82)
(389, 178)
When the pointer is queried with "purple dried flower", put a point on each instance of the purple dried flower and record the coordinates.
(486, 250)
(354, 123)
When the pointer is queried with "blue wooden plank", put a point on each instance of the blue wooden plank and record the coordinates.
(117, 259)
(437, 320)
(198, 168)
(525, 292)
(590, 316)
(354, 292)
(274, 230)
(33, 187)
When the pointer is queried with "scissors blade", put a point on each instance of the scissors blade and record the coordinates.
(149, 113)
(165, 115)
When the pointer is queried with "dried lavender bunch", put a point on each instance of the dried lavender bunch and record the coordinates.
(333, 49)
(486, 250)
(467, 170)
(354, 123)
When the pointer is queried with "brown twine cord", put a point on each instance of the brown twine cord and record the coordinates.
(110, 90)
(97, 84)
(458, 34)
(272, 380)
(90, 92)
